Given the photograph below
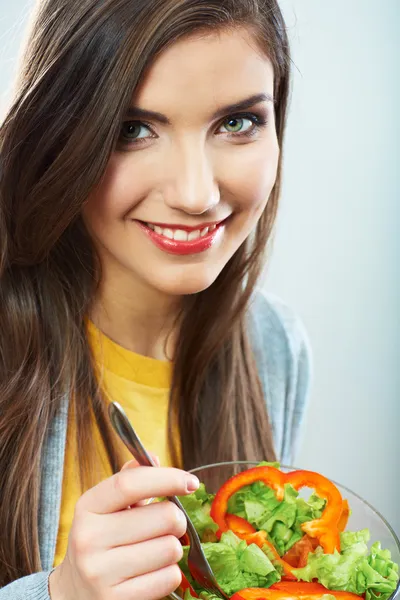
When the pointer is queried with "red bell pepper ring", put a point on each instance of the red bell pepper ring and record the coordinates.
(344, 517)
(292, 591)
(305, 590)
(300, 587)
(269, 475)
(238, 525)
(297, 556)
(324, 529)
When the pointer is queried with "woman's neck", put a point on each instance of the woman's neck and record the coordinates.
(139, 318)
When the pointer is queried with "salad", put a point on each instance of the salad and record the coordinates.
(265, 542)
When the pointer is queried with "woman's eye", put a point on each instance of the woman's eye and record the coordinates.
(134, 130)
(243, 126)
(238, 125)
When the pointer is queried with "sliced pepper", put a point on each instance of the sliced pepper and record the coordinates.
(316, 590)
(297, 556)
(238, 525)
(292, 591)
(272, 477)
(325, 529)
(261, 539)
(344, 517)
(300, 587)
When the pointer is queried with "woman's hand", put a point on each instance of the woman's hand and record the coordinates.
(115, 553)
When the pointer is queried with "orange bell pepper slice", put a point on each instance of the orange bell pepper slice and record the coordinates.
(300, 587)
(272, 477)
(297, 556)
(344, 517)
(316, 590)
(286, 590)
(238, 525)
(324, 529)
(260, 538)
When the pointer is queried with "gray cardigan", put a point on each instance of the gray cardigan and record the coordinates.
(283, 360)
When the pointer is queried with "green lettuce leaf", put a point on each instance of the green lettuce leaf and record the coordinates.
(198, 506)
(202, 595)
(235, 564)
(354, 569)
(282, 520)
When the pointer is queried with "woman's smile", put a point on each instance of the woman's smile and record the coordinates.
(182, 239)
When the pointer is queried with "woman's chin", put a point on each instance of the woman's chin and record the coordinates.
(187, 282)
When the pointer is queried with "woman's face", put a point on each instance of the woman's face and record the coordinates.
(195, 165)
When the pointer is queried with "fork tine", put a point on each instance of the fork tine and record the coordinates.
(204, 580)
(213, 591)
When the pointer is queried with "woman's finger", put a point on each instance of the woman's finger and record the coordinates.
(126, 562)
(142, 523)
(152, 586)
(131, 464)
(134, 463)
(128, 487)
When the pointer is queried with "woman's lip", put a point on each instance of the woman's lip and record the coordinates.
(188, 228)
(181, 248)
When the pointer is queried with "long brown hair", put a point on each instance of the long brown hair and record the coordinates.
(82, 64)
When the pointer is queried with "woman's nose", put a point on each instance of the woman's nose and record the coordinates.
(191, 185)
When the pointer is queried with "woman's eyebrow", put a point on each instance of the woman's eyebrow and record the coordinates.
(136, 113)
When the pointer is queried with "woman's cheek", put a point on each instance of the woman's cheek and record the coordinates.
(250, 178)
(121, 189)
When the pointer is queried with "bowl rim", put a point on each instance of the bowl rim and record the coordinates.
(293, 468)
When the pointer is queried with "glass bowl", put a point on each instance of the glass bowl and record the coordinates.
(363, 515)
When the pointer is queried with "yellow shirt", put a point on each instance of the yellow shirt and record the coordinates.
(141, 385)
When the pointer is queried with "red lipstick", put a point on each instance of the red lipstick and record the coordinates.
(180, 246)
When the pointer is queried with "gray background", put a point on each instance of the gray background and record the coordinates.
(336, 251)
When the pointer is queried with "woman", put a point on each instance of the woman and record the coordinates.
(140, 176)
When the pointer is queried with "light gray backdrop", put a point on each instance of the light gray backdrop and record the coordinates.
(337, 250)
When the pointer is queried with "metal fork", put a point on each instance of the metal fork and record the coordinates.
(198, 564)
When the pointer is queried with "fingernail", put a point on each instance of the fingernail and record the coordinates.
(192, 483)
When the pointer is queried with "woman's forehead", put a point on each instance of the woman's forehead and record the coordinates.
(198, 75)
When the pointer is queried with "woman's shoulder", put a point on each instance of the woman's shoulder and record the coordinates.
(278, 327)
(283, 355)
